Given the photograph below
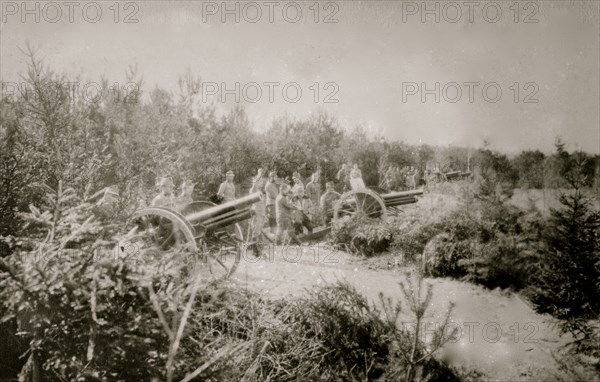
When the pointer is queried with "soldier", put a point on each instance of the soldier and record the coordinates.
(387, 178)
(260, 213)
(271, 192)
(259, 176)
(168, 200)
(402, 174)
(343, 178)
(327, 200)
(356, 180)
(301, 215)
(298, 185)
(185, 198)
(297, 179)
(283, 212)
(227, 188)
(165, 198)
(397, 179)
(313, 192)
(412, 178)
(301, 201)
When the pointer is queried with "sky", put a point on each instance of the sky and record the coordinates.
(379, 64)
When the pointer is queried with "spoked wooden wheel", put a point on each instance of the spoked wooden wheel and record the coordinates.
(357, 202)
(222, 248)
(155, 230)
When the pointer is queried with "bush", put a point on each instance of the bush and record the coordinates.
(83, 316)
(411, 239)
(334, 334)
(487, 242)
(500, 263)
(84, 320)
(566, 284)
(339, 331)
(371, 239)
(361, 235)
(444, 258)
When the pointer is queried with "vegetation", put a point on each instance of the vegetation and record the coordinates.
(79, 312)
(361, 235)
(91, 316)
(567, 282)
(129, 137)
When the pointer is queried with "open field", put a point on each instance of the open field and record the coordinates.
(545, 199)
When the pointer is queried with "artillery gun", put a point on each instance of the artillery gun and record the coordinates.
(373, 204)
(213, 231)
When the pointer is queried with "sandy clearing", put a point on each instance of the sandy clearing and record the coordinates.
(498, 334)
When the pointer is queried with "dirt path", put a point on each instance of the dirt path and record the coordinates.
(498, 334)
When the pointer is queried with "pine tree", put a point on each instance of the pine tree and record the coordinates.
(570, 274)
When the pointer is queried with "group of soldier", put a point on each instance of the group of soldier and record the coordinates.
(290, 209)
(166, 196)
(398, 179)
(287, 209)
(350, 179)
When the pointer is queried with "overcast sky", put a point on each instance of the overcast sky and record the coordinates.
(370, 58)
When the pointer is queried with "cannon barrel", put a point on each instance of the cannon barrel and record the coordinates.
(216, 213)
(452, 175)
(401, 197)
(225, 215)
(246, 214)
(400, 202)
(402, 194)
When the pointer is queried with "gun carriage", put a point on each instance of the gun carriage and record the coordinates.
(373, 204)
(449, 172)
(456, 175)
(212, 231)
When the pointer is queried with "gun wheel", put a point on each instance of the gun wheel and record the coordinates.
(221, 250)
(357, 202)
(155, 230)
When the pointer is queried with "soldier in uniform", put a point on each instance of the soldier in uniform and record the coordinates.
(301, 218)
(396, 181)
(283, 212)
(356, 180)
(227, 188)
(343, 178)
(313, 192)
(389, 179)
(327, 200)
(165, 198)
(271, 192)
(185, 198)
(260, 210)
(298, 186)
